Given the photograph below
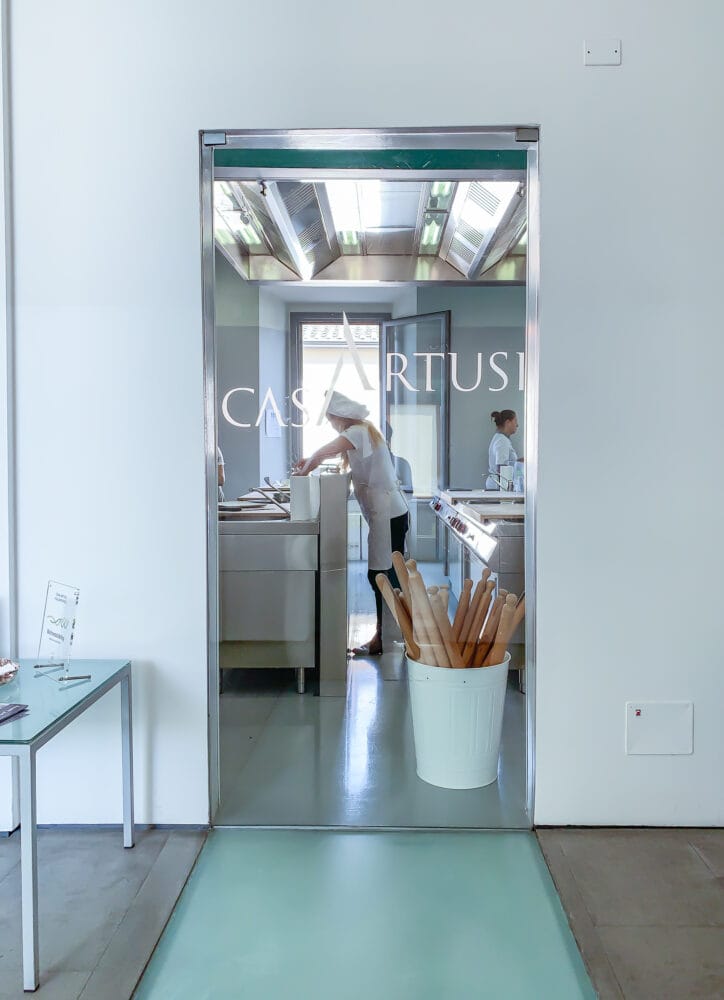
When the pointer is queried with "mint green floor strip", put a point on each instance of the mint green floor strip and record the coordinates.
(271, 915)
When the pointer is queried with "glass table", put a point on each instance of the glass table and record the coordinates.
(52, 705)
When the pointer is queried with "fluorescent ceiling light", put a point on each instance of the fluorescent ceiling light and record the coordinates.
(231, 220)
(441, 189)
(223, 201)
(430, 234)
(344, 205)
(369, 195)
(248, 234)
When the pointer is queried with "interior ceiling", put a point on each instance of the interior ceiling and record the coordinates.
(373, 229)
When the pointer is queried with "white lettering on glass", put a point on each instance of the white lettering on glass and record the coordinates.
(225, 405)
(296, 401)
(499, 371)
(454, 374)
(394, 369)
(271, 402)
(428, 367)
(399, 374)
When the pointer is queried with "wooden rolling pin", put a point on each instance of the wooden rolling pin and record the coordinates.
(470, 647)
(425, 629)
(400, 567)
(480, 602)
(503, 634)
(489, 631)
(478, 595)
(443, 623)
(462, 610)
(399, 613)
(518, 617)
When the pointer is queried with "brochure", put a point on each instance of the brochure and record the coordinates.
(9, 712)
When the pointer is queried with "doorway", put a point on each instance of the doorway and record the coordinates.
(414, 405)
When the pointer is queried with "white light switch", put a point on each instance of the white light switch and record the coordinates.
(659, 727)
(602, 52)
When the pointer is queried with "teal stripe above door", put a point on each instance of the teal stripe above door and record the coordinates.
(372, 159)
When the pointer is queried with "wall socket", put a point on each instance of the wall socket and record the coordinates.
(659, 727)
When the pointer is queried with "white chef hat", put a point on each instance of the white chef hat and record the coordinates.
(340, 405)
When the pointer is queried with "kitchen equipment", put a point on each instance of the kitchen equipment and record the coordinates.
(474, 534)
(270, 497)
(305, 496)
(283, 588)
(506, 477)
(283, 491)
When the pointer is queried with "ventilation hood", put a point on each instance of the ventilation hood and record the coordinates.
(373, 230)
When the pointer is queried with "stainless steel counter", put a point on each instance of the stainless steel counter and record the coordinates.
(240, 526)
(283, 591)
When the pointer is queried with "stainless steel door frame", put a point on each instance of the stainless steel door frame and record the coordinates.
(532, 404)
(494, 137)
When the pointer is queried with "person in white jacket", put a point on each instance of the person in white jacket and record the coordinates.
(501, 452)
(377, 489)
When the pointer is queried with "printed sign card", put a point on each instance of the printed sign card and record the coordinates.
(56, 636)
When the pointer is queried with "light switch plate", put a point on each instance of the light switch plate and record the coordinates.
(659, 727)
(602, 52)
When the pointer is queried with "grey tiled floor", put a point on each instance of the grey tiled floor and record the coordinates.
(101, 908)
(646, 908)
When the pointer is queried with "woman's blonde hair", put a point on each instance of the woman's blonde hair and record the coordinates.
(375, 437)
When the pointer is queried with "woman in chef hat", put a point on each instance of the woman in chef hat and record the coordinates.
(376, 487)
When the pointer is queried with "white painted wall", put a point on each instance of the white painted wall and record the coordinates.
(107, 103)
(9, 811)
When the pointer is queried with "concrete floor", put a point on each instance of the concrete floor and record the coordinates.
(646, 908)
(101, 908)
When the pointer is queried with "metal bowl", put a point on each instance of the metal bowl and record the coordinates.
(8, 670)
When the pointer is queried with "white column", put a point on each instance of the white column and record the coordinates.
(9, 816)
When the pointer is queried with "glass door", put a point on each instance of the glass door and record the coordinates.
(416, 417)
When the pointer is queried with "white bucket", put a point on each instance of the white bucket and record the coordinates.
(457, 719)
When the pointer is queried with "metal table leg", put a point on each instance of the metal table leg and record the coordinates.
(29, 868)
(300, 680)
(127, 754)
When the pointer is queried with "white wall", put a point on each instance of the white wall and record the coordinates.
(107, 103)
(9, 812)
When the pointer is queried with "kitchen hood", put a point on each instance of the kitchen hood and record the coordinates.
(374, 230)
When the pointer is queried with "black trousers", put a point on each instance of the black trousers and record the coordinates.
(398, 529)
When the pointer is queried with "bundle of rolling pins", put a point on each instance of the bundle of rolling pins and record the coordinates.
(480, 632)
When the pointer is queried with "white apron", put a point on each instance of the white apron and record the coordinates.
(376, 506)
(377, 491)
